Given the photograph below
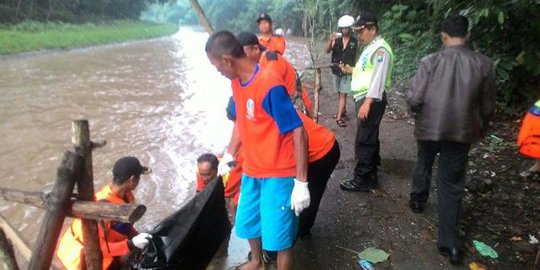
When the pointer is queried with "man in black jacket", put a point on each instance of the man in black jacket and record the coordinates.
(453, 98)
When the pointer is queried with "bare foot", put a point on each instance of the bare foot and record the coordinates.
(251, 265)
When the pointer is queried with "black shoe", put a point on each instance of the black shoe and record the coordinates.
(454, 254)
(416, 206)
(355, 185)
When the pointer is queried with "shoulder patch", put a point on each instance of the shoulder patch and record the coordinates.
(380, 56)
(271, 56)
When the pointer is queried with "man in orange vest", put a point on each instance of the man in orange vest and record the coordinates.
(273, 60)
(207, 170)
(267, 38)
(116, 239)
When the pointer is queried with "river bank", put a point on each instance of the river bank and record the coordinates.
(32, 36)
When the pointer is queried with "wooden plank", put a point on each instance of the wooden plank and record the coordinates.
(80, 137)
(316, 95)
(7, 255)
(45, 245)
(126, 213)
(16, 238)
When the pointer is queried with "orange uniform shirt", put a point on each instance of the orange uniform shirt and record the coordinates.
(267, 144)
(275, 43)
(528, 139)
(70, 247)
(320, 139)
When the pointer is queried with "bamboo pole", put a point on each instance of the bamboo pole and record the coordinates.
(16, 238)
(316, 94)
(80, 137)
(202, 17)
(7, 255)
(45, 244)
(126, 213)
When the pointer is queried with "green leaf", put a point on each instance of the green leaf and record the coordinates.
(500, 17)
(405, 37)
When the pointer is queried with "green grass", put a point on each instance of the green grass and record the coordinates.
(34, 36)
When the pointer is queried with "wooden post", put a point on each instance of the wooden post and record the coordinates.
(45, 244)
(80, 137)
(7, 255)
(126, 213)
(16, 238)
(316, 94)
(202, 17)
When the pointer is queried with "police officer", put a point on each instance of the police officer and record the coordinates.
(370, 77)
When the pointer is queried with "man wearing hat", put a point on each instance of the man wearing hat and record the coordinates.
(370, 77)
(267, 38)
(117, 239)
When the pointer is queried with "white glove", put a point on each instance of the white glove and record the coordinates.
(300, 196)
(141, 240)
(223, 167)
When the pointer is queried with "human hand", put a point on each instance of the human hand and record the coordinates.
(364, 111)
(345, 68)
(300, 198)
(224, 164)
(141, 240)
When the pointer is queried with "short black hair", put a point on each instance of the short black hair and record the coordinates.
(224, 42)
(119, 179)
(210, 158)
(455, 26)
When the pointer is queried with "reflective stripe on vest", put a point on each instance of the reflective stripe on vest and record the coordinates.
(363, 71)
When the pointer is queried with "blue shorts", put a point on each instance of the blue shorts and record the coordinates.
(264, 211)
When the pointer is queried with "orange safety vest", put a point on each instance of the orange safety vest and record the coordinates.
(529, 135)
(113, 243)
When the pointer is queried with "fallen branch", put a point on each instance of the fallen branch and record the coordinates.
(346, 249)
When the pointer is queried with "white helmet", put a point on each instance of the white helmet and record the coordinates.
(345, 21)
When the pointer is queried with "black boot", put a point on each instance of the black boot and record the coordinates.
(356, 185)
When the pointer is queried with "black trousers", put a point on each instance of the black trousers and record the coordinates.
(450, 184)
(367, 145)
(319, 173)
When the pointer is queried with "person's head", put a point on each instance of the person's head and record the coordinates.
(250, 43)
(207, 167)
(265, 23)
(127, 172)
(454, 30)
(223, 50)
(366, 26)
(344, 25)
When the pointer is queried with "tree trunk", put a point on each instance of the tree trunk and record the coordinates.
(202, 17)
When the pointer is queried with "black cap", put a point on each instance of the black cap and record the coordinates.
(128, 166)
(365, 18)
(264, 16)
(247, 38)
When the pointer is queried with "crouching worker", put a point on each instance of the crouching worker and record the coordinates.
(207, 170)
(116, 239)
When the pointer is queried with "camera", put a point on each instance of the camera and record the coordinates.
(338, 35)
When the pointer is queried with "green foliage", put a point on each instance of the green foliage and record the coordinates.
(33, 36)
(71, 11)
(505, 31)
